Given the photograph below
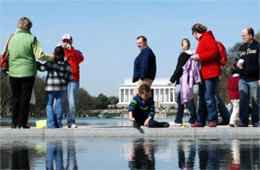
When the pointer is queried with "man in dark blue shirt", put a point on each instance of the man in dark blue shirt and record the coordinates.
(144, 64)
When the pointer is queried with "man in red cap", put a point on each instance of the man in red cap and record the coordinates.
(74, 58)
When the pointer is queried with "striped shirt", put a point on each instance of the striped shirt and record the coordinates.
(138, 105)
(59, 74)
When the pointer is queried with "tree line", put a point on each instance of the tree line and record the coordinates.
(88, 102)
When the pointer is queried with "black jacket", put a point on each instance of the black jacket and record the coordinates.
(183, 58)
(250, 54)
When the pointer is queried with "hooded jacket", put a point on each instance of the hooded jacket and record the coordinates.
(208, 52)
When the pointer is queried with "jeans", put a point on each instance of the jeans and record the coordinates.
(180, 111)
(72, 97)
(207, 109)
(223, 111)
(21, 95)
(54, 119)
(248, 90)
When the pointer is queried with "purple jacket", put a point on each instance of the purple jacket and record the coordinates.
(191, 75)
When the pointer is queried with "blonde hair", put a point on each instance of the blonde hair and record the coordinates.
(25, 23)
(185, 46)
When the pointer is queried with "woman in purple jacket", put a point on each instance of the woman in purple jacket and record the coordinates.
(183, 58)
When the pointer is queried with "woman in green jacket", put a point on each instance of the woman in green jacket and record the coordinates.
(23, 50)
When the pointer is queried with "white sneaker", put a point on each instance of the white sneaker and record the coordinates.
(175, 124)
(73, 126)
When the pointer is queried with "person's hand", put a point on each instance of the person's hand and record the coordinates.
(195, 57)
(132, 119)
(146, 123)
(67, 45)
(259, 83)
(169, 83)
(239, 65)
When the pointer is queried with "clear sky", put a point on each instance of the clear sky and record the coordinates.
(106, 31)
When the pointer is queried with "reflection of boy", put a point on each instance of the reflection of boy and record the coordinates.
(141, 109)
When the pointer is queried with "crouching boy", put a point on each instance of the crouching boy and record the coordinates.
(141, 109)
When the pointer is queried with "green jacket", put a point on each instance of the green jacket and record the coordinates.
(23, 48)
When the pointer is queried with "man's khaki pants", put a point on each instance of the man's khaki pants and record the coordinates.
(141, 82)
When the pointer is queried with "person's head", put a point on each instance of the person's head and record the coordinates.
(25, 23)
(141, 42)
(66, 38)
(144, 91)
(59, 53)
(234, 70)
(197, 30)
(248, 35)
(185, 44)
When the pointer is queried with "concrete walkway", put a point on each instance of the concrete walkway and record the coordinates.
(101, 131)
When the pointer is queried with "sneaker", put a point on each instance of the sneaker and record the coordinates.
(231, 125)
(211, 124)
(165, 124)
(73, 126)
(136, 125)
(175, 124)
(241, 125)
(256, 124)
(196, 125)
(223, 123)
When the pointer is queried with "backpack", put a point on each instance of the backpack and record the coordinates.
(222, 57)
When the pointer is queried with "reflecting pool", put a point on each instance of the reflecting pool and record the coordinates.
(130, 153)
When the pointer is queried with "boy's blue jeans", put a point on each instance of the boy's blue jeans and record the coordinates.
(72, 97)
(248, 90)
(54, 119)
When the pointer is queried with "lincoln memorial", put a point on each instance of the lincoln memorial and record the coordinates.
(163, 95)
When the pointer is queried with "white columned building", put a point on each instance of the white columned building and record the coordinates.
(163, 94)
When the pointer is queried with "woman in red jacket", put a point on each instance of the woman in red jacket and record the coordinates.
(207, 53)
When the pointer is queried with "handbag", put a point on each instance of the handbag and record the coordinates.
(4, 59)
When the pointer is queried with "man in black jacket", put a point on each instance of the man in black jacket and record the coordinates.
(249, 83)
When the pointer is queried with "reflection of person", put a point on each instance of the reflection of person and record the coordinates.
(206, 53)
(74, 58)
(20, 157)
(141, 109)
(183, 58)
(142, 155)
(71, 155)
(59, 74)
(144, 64)
(249, 83)
(54, 154)
(235, 155)
(23, 48)
(183, 162)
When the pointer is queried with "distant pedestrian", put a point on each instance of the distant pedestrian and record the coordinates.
(144, 64)
(207, 53)
(74, 58)
(141, 109)
(58, 77)
(249, 83)
(233, 94)
(175, 78)
(23, 50)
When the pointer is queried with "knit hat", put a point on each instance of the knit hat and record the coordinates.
(66, 37)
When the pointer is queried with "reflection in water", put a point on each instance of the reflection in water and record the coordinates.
(54, 155)
(142, 154)
(186, 163)
(105, 153)
(19, 157)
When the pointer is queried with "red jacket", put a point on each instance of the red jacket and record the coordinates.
(74, 59)
(232, 86)
(208, 51)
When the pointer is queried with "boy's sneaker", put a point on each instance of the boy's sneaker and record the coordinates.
(175, 124)
(165, 124)
(136, 125)
(256, 124)
(73, 126)
(241, 125)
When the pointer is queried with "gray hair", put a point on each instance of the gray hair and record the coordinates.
(25, 23)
